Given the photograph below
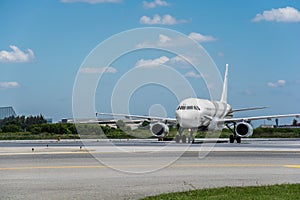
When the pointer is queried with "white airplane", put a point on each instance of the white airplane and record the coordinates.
(202, 114)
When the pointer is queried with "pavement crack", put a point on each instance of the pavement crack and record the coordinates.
(189, 184)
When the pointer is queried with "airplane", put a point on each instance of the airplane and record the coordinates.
(203, 114)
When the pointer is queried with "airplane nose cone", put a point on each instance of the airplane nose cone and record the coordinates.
(185, 120)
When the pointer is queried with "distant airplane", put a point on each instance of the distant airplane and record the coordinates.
(202, 114)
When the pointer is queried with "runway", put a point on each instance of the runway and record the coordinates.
(121, 169)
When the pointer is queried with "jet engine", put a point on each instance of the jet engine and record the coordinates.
(159, 129)
(243, 129)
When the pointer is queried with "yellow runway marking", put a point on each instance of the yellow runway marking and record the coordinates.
(137, 166)
(292, 166)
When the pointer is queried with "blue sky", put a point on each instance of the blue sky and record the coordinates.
(43, 43)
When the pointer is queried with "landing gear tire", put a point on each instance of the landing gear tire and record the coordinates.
(231, 139)
(238, 139)
(177, 138)
(191, 140)
(183, 139)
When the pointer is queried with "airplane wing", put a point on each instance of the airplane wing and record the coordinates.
(241, 119)
(149, 118)
(247, 109)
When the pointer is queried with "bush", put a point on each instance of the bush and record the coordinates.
(11, 128)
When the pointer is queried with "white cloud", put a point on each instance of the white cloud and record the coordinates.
(287, 14)
(154, 4)
(9, 85)
(164, 39)
(177, 59)
(201, 38)
(180, 62)
(192, 74)
(16, 55)
(279, 83)
(152, 62)
(91, 1)
(101, 70)
(157, 19)
(175, 62)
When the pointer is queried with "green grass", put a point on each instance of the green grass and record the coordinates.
(274, 192)
(30, 136)
(276, 133)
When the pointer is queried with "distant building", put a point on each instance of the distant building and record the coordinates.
(7, 112)
(49, 120)
(266, 126)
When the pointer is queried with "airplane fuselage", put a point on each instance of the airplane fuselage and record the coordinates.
(194, 112)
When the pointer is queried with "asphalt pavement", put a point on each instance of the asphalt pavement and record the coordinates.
(122, 169)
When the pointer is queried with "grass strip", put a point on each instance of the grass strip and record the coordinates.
(270, 192)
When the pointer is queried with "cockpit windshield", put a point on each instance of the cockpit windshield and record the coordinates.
(188, 108)
(181, 108)
(196, 108)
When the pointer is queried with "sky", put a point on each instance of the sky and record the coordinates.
(44, 43)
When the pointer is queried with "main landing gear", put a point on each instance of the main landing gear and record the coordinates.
(181, 138)
(233, 137)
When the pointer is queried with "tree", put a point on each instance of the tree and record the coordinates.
(295, 122)
(22, 122)
(11, 128)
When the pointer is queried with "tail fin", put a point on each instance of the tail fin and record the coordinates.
(224, 93)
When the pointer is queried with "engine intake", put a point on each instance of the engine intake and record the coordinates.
(159, 129)
(243, 129)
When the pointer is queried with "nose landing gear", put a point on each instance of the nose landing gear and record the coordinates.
(179, 137)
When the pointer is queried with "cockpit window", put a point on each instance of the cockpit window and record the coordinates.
(196, 108)
(189, 107)
(181, 108)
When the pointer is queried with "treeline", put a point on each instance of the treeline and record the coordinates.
(36, 127)
(20, 123)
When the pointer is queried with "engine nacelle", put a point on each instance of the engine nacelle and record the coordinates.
(243, 129)
(159, 129)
